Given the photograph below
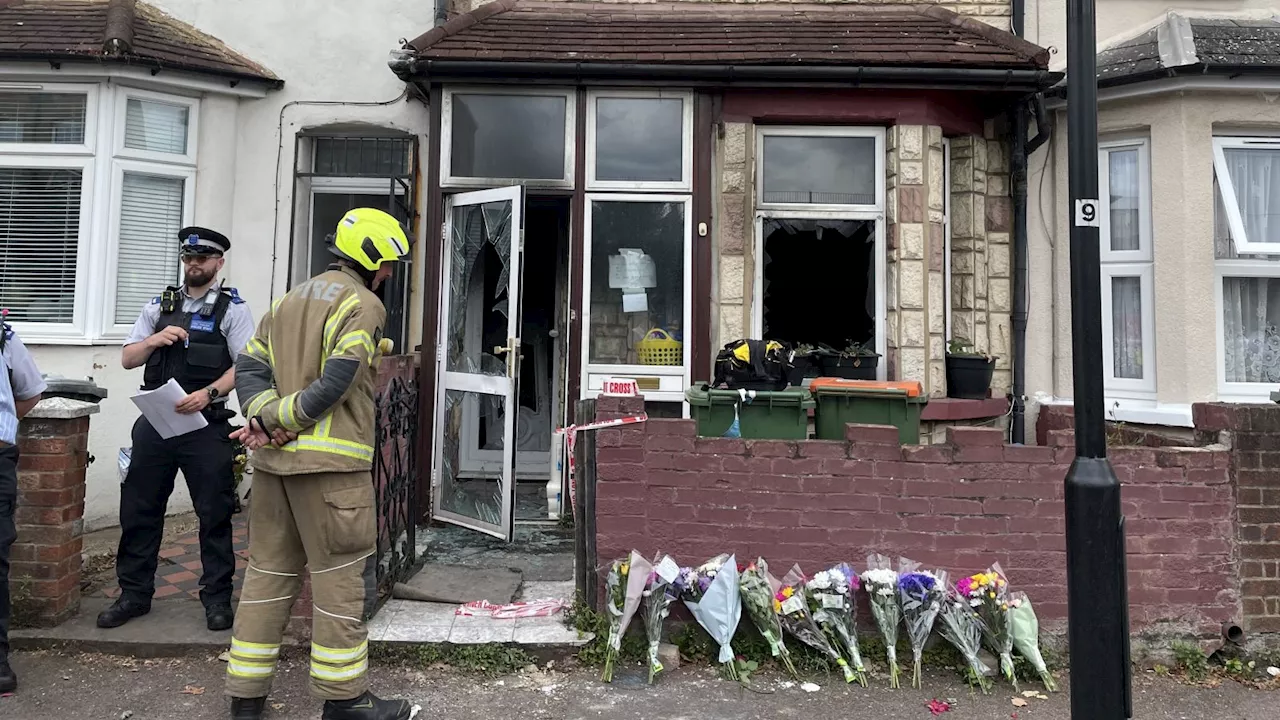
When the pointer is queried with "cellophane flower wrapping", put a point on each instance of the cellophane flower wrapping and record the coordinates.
(757, 599)
(959, 626)
(624, 589)
(988, 595)
(833, 602)
(880, 581)
(792, 602)
(710, 591)
(655, 607)
(921, 595)
(1024, 627)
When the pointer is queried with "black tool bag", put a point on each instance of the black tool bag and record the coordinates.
(753, 365)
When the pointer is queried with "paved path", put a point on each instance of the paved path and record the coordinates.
(58, 687)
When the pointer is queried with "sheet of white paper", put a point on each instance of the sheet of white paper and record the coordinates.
(668, 569)
(159, 408)
(638, 302)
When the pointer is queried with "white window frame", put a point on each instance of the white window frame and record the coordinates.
(75, 331)
(448, 180)
(88, 147)
(685, 183)
(1119, 387)
(876, 133)
(1143, 253)
(1244, 246)
(1246, 392)
(589, 368)
(1128, 263)
(103, 160)
(113, 331)
(125, 94)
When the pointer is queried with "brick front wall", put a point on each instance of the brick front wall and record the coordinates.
(959, 506)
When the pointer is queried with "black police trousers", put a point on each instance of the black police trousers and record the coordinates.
(8, 533)
(206, 458)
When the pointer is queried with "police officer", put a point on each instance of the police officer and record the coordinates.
(191, 334)
(305, 384)
(20, 389)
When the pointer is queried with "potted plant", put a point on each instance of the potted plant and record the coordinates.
(968, 372)
(855, 362)
(804, 364)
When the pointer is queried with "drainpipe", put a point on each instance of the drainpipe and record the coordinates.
(442, 12)
(1018, 318)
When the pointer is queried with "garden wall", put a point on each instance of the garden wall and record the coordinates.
(959, 506)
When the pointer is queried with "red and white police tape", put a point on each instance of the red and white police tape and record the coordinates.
(571, 438)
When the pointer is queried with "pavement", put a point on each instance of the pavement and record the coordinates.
(57, 687)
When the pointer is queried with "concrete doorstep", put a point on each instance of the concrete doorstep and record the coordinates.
(176, 627)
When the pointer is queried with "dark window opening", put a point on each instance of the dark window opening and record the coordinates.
(819, 282)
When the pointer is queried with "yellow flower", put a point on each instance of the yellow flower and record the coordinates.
(991, 595)
(777, 606)
(625, 567)
(788, 592)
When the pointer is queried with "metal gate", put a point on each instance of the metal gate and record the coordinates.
(395, 470)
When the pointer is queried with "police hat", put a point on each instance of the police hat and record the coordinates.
(203, 241)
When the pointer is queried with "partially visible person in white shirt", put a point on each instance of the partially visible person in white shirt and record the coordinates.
(21, 386)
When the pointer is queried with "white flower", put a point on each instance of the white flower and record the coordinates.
(975, 603)
(821, 581)
(884, 591)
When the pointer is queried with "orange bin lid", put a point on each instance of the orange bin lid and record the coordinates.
(912, 388)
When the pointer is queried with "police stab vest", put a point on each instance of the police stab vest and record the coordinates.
(200, 361)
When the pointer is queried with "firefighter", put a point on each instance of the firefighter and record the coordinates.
(305, 384)
(21, 386)
(191, 334)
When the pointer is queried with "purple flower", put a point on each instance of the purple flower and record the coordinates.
(704, 582)
(917, 584)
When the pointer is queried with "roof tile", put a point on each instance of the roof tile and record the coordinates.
(77, 29)
(755, 34)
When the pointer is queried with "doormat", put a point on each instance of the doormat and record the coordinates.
(457, 585)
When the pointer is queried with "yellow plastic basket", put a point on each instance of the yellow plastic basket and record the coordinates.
(659, 348)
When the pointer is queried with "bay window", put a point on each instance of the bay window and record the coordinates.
(1247, 254)
(1128, 327)
(95, 183)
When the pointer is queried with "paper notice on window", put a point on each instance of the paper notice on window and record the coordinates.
(631, 268)
(635, 302)
(159, 408)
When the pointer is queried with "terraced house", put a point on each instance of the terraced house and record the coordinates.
(578, 176)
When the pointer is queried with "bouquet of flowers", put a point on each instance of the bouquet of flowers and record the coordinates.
(792, 603)
(921, 596)
(1024, 627)
(655, 606)
(624, 587)
(758, 599)
(988, 595)
(881, 583)
(960, 627)
(833, 603)
(710, 591)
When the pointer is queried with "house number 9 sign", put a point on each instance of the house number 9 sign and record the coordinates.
(1087, 213)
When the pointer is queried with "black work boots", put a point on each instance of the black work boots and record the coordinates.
(248, 708)
(367, 707)
(8, 679)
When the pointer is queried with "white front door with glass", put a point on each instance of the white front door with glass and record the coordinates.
(478, 358)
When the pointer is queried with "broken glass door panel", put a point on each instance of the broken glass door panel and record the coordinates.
(478, 303)
(480, 496)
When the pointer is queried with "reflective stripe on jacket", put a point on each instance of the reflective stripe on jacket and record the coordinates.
(330, 319)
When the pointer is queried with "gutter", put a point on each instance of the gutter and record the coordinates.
(155, 67)
(1010, 80)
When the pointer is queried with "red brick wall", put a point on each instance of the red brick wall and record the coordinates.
(960, 506)
(45, 573)
(1253, 433)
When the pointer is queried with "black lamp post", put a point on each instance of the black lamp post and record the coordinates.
(1097, 595)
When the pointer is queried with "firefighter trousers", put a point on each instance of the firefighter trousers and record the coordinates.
(325, 523)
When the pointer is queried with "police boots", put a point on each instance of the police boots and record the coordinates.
(367, 707)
